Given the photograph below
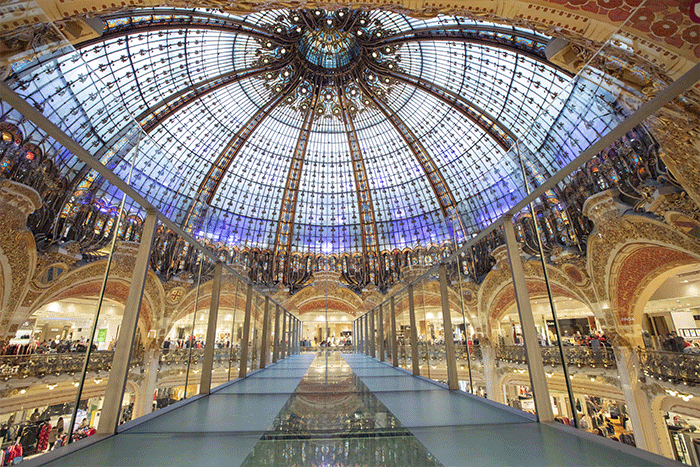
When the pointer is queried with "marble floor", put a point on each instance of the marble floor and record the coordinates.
(333, 409)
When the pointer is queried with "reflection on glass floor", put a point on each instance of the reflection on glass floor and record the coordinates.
(332, 419)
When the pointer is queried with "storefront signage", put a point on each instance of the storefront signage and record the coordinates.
(101, 335)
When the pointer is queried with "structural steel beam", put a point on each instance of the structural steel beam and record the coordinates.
(368, 222)
(499, 132)
(442, 191)
(285, 224)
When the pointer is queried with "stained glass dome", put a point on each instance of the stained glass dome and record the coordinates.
(311, 130)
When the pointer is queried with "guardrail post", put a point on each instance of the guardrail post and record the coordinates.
(372, 336)
(452, 381)
(112, 402)
(380, 333)
(265, 345)
(538, 381)
(414, 332)
(394, 340)
(245, 337)
(276, 342)
(210, 342)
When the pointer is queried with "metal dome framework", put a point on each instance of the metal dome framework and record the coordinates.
(295, 132)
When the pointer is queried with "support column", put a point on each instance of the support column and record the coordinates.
(354, 335)
(538, 381)
(295, 339)
(276, 342)
(366, 331)
(564, 406)
(361, 334)
(372, 336)
(143, 403)
(253, 349)
(365, 334)
(414, 332)
(628, 367)
(288, 336)
(488, 355)
(283, 336)
(292, 327)
(265, 345)
(210, 342)
(292, 337)
(380, 333)
(246, 331)
(394, 340)
(112, 404)
(451, 360)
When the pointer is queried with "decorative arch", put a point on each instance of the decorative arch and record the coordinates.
(316, 297)
(636, 271)
(86, 281)
(498, 295)
(663, 403)
(230, 298)
(627, 256)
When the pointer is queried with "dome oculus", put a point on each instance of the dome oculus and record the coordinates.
(332, 54)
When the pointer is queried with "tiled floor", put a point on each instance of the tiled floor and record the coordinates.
(337, 410)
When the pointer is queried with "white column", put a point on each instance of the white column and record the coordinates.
(488, 355)
(628, 368)
(143, 402)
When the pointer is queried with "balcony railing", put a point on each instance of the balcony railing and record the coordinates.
(53, 364)
(577, 356)
(674, 367)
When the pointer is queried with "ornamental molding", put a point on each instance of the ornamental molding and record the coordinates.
(611, 243)
(21, 197)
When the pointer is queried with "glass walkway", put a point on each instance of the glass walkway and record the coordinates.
(333, 409)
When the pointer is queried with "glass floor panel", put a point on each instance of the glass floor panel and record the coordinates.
(332, 419)
(338, 410)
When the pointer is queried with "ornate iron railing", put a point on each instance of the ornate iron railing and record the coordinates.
(177, 357)
(577, 356)
(40, 365)
(71, 213)
(674, 367)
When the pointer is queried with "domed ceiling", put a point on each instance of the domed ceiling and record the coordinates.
(313, 131)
